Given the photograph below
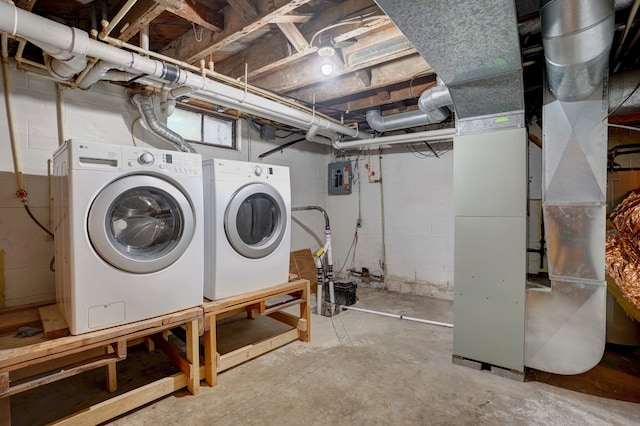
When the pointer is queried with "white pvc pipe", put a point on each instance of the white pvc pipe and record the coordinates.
(109, 26)
(15, 146)
(144, 37)
(60, 113)
(402, 317)
(429, 135)
(44, 31)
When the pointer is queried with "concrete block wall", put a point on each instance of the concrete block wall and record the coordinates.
(104, 114)
(418, 194)
(418, 216)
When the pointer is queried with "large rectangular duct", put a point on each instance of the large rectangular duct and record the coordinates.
(566, 323)
(473, 46)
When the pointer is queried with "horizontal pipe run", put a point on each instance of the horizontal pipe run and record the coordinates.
(429, 135)
(39, 30)
(398, 316)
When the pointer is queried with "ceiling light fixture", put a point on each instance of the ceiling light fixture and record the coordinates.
(326, 51)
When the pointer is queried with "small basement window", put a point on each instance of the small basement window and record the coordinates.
(204, 127)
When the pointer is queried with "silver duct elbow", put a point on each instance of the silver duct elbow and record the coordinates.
(435, 102)
(433, 108)
(577, 37)
(144, 104)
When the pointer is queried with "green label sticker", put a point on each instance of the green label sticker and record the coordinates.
(502, 120)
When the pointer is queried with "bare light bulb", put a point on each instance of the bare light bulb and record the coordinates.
(326, 69)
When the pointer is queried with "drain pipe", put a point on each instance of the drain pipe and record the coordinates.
(399, 316)
(323, 251)
(144, 103)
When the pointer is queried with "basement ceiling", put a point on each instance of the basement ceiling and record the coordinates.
(274, 45)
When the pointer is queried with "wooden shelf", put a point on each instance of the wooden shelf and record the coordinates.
(255, 303)
(34, 361)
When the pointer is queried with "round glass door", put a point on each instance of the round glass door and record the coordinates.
(140, 224)
(255, 220)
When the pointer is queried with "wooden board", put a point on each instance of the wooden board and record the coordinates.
(53, 322)
(40, 349)
(303, 265)
(12, 318)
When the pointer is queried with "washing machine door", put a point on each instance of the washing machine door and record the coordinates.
(255, 220)
(141, 224)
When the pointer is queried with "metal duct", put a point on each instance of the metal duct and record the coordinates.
(433, 108)
(565, 327)
(144, 103)
(566, 323)
(577, 37)
(472, 45)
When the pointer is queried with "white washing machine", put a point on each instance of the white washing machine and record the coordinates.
(247, 227)
(128, 224)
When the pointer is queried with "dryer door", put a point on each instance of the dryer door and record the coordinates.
(255, 220)
(141, 224)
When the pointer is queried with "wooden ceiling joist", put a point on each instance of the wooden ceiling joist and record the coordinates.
(236, 27)
(200, 15)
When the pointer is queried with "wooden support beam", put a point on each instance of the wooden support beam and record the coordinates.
(384, 95)
(140, 15)
(5, 412)
(210, 352)
(235, 28)
(244, 8)
(69, 371)
(373, 100)
(305, 73)
(107, 410)
(193, 357)
(383, 75)
(293, 19)
(53, 322)
(199, 14)
(268, 54)
(293, 34)
(251, 351)
(4, 383)
(25, 4)
(364, 76)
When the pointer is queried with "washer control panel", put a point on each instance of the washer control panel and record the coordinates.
(176, 163)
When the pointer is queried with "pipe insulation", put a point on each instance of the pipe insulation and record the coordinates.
(53, 35)
(144, 103)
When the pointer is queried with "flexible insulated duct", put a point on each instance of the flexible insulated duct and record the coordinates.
(144, 103)
(577, 37)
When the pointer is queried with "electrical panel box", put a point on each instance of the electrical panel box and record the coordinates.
(340, 178)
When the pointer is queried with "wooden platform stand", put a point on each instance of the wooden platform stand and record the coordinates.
(255, 303)
(40, 361)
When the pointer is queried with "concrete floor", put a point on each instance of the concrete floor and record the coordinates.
(362, 369)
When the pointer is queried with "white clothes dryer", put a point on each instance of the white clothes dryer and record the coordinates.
(128, 225)
(247, 227)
